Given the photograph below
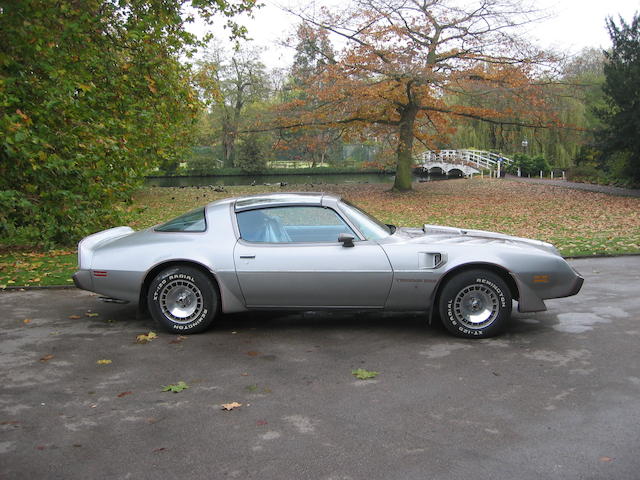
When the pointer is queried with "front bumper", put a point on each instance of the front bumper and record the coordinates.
(577, 285)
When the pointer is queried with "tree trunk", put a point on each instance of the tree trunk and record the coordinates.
(228, 147)
(404, 151)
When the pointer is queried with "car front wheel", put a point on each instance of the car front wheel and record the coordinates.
(183, 300)
(475, 304)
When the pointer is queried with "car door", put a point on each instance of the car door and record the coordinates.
(290, 257)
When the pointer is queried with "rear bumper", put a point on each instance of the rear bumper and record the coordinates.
(82, 279)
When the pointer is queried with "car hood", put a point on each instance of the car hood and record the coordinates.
(438, 234)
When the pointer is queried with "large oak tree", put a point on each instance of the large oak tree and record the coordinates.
(403, 60)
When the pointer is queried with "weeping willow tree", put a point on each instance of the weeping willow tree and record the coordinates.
(570, 103)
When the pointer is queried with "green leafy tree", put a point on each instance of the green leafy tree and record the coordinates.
(529, 164)
(252, 153)
(230, 85)
(620, 135)
(92, 96)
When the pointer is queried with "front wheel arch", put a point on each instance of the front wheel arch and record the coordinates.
(491, 267)
(151, 274)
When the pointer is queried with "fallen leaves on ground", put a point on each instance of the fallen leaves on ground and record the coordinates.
(177, 388)
(146, 337)
(26, 321)
(46, 358)
(103, 361)
(74, 317)
(91, 314)
(363, 374)
(123, 394)
(230, 406)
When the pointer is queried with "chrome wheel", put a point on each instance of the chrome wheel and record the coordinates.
(476, 306)
(181, 301)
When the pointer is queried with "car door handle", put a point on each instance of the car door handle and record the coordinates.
(247, 256)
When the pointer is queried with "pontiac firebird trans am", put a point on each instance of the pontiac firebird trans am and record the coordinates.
(311, 251)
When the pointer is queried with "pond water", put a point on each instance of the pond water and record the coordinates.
(316, 179)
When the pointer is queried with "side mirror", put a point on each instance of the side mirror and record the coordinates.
(346, 239)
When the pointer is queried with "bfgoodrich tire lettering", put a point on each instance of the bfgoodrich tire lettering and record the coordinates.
(183, 300)
(475, 304)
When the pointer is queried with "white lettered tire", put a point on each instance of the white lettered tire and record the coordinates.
(183, 300)
(475, 304)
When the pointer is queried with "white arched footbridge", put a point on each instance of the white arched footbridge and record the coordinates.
(467, 162)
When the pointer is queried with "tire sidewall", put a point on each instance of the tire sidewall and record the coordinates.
(472, 277)
(209, 298)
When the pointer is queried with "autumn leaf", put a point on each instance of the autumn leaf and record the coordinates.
(26, 321)
(144, 338)
(363, 374)
(178, 387)
(90, 314)
(253, 353)
(74, 317)
(103, 362)
(22, 115)
(606, 459)
(123, 394)
(46, 358)
(230, 406)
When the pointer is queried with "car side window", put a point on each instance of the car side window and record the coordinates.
(193, 221)
(291, 224)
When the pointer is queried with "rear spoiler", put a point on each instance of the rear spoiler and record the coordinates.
(88, 244)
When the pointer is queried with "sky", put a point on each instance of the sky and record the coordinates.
(571, 26)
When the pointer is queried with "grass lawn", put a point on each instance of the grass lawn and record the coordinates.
(577, 222)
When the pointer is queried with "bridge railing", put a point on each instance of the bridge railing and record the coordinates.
(479, 158)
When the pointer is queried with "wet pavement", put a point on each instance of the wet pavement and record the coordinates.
(558, 396)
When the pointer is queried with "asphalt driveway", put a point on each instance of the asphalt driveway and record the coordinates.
(557, 397)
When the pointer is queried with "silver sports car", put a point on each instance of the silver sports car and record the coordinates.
(312, 251)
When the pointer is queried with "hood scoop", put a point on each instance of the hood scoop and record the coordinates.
(431, 229)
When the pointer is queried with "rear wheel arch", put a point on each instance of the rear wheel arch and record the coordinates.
(500, 271)
(151, 274)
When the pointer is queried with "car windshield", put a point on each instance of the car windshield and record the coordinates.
(371, 228)
(193, 221)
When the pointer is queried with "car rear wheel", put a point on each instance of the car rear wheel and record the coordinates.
(475, 304)
(183, 300)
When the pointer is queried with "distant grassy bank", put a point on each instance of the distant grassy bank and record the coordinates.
(577, 222)
(234, 172)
